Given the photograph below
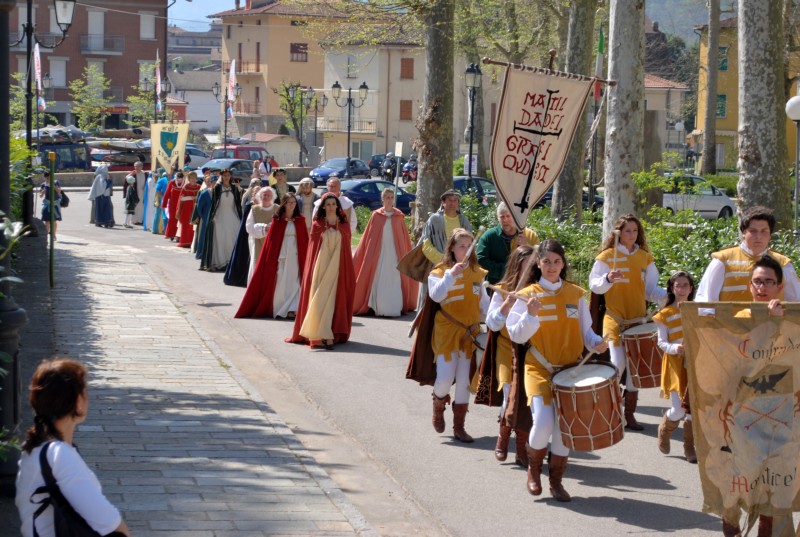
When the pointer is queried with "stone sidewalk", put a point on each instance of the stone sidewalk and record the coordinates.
(181, 442)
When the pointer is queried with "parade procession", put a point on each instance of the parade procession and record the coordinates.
(258, 340)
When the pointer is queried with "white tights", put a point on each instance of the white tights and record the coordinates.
(545, 428)
(457, 369)
(504, 406)
(619, 359)
(676, 411)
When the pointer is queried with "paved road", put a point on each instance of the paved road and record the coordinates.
(369, 429)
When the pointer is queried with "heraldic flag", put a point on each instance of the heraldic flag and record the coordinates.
(744, 393)
(539, 113)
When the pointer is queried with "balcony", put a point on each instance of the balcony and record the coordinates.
(243, 67)
(338, 124)
(112, 45)
(48, 40)
(246, 109)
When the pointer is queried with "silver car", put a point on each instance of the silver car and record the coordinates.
(696, 194)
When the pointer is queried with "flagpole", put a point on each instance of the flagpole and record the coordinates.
(541, 70)
(598, 70)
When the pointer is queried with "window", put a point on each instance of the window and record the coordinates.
(722, 106)
(351, 67)
(58, 72)
(298, 52)
(54, 29)
(723, 59)
(258, 94)
(228, 31)
(406, 113)
(147, 25)
(720, 155)
(406, 68)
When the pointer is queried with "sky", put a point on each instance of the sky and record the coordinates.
(192, 15)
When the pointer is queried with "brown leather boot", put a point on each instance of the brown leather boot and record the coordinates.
(521, 458)
(459, 416)
(764, 526)
(558, 465)
(535, 463)
(438, 412)
(631, 399)
(729, 530)
(501, 448)
(688, 442)
(665, 429)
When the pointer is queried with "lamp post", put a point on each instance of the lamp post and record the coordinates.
(237, 91)
(166, 87)
(64, 10)
(336, 91)
(682, 137)
(305, 102)
(793, 111)
(47, 83)
(317, 101)
(473, 78)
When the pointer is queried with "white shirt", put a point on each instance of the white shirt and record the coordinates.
(347, 206)
(439, 287)
(76, 481)
(255, 229)
(522, 326)
(495, 320)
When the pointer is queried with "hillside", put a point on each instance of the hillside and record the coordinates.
(679, 17)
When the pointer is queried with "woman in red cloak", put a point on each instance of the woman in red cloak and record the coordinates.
(325, 314)
(186, 201)
(274, 290)
(379, 285)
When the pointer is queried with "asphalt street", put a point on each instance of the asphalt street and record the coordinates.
(369, 428)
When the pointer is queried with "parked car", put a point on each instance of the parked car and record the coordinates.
(695, 193)
(481, 187)
(197, 157)
(241, 169)
(547, 200)
(335, 167)
(246, 152)
(367, 193)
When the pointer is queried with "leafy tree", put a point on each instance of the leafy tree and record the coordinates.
(141, 105)
(89, 101)
(291, 108)
(17, 107)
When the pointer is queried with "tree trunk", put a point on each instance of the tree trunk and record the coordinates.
(712, 70)
(625, 125)
(569, 185)
(435, 125)
(762, 121)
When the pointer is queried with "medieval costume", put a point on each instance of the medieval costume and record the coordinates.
(102, 189)
(239, 263)
(159, 217)
(274, 290)
(186, 203)
(224, 219)
(257, 225)
(379, 285)
(170, 205)
(200, 216)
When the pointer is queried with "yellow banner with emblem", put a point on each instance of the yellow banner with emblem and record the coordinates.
(168, 144)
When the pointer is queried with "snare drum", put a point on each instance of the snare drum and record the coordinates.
(588, 406)
(644, 356)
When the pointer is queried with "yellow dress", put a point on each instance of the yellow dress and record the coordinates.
(322, 299)
(463, 303)
(558, 339)
(674, 377)
(625, 299)
(738, 265)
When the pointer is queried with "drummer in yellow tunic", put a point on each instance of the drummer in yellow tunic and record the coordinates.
(499, 307)
(628, 278)
(456, 284)
(557, 324)
(674, 379)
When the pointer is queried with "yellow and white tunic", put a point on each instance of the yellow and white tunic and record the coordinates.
(727, 277)
(560, 331)
(464, 299)
(496, 322)
(670, 334)
(626, 299)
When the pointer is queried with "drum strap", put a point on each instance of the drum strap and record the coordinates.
(629, 322)
(542, 360)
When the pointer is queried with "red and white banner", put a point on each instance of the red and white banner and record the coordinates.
(535, 125)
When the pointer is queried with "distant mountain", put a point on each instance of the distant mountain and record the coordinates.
(679, 17)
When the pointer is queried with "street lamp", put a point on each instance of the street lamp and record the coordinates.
(47, 83)
(793, 111)
(336, 91)
(682, 137)
(64, 10)
(317, 101)
(473, 78)
(237, 91)
(305, 103)
(166, 87)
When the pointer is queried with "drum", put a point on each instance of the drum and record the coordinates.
(644, 356)
(588, 406)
